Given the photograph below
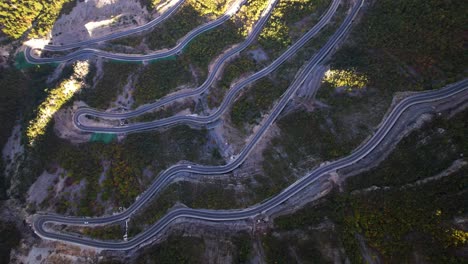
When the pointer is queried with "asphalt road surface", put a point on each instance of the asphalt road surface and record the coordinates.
(228, 100)
(232, 215)
(166, 177)
(88, 52)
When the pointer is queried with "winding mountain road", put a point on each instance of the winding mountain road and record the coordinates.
(167, 176)
(231, 215)
(173, 6)
(458, 89)
(88, 52)
(228, 100)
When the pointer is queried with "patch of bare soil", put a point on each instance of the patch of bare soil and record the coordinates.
(125, 99)
(13, 149)
(232, 137)
(253, 165)
(258, 55)
(64, 127)
(53, 252)
(39, 190)
(93, 18)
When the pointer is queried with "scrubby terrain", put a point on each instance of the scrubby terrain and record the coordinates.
(405, 203)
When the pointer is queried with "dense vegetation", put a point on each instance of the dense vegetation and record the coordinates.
(278, 34)
(249, 107)
(159, 78)
(198, 53)
(191, 14)
(390, 54)
(249, 14)
(307, 247)
(17, 17)
(114, 78)
(9, 238)
(181, 247)
(174, 28)
(331, 132)
(441, 142)
(256, 102)
(126, 160)
(56, 98)
(31, 87)
(194, 195)
(12, 89)
(399, 221)
(113, 232)
(235, 69)
(209, 45)
(176, 249)
(420, 56)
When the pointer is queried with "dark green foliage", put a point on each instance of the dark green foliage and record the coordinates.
(127, 159)
(409, 161)
(193, 195)
(67, 7)
(210, 44)
(159, 78)
(293, 249)
(211, 196)
(235, 69)
(17, 17)
(109, 86)
(308, 216)
(243, 244)
(423, 38)
(176, 249)
(12, 90)
(161, 150)
(304, 129)
(9, 238)
(276, 251)
(190, 15)
(256, 102)
(31, 87)
(112, 232)
(400, 221)
(174, 28)
(280, 31)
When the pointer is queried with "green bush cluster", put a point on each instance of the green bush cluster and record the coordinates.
(112, 232)
(18, 16)
(409, 161)
(124, 179)
(415, 44)
(159, 78)
(210, 44)
(167, 34)
(13, 87)
(235, 69)
(114, 78)
(400, 221)
(276, 35)
(193, 195)
(255, 102)
(175, 249)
